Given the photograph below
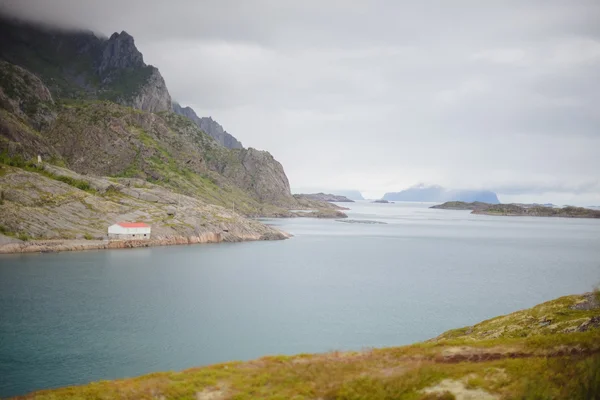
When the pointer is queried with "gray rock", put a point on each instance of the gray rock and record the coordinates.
(153, 96)
(148, 197)
(210, 126)
(120, 52)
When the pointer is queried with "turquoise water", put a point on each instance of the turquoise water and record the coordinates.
(71, 318)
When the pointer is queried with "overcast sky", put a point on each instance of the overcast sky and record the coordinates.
(382, 95)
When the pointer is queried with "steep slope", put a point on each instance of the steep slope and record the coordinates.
(551, 351)
(208, 125)
(80, 65)
(100, 138)
(439, 194)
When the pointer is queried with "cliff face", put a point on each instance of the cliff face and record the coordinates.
(208, 125)
(153, 95)
(79, 65)
(120, 53)
(260, 173)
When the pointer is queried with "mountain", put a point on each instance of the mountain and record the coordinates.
(129, 150)
(210, 126)
(436, 193)
(80, 65)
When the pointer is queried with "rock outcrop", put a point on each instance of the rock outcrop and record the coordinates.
(325, 197)
(120, 53)
(152, 95)
(210, 126)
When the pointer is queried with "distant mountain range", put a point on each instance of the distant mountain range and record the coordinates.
(439, 194)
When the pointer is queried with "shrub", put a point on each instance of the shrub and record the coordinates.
(88, 236)
(23, 236)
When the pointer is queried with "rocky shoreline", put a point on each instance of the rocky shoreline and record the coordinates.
(55, 246)
(517, 210)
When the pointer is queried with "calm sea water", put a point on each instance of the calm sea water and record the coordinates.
(72, 318)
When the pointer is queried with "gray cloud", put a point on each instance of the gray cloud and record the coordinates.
(380, 95)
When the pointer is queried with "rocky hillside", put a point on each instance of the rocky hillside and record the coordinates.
(551, 351)
(54, 204)
(106, 139)
(101, 140)
(210, 126)
(530, 210)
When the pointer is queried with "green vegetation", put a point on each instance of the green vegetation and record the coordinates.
(88, 236)
(532, 210)
(126, 83)
(31, 166)
(543, 365)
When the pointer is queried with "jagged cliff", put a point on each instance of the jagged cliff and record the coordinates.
(210, 126)
(81, 65)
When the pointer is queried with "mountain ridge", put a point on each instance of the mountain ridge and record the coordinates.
(210, 126)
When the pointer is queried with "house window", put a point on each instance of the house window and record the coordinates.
(144, 235)
(133, 235)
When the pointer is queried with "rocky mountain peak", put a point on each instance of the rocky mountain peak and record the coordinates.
(120, 53)
(209, 126)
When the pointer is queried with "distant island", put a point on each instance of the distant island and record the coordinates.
(437, 193)
(351, 194)
(382, 201)
(531, 210)
(325, 197)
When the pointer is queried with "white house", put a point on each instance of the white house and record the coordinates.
(129, 230)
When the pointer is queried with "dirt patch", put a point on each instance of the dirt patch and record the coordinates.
(212, 393)
(474, 354)
(460, 391)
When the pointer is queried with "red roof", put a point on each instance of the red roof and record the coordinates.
(133, 225)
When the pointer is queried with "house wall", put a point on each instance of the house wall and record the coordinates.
(119, 232)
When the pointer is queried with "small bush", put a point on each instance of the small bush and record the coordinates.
(78, 183)
(88, 236)
(24, 237)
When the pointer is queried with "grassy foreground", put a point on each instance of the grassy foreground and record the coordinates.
(551, 351)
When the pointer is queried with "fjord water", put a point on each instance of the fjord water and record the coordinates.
(71, 318)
